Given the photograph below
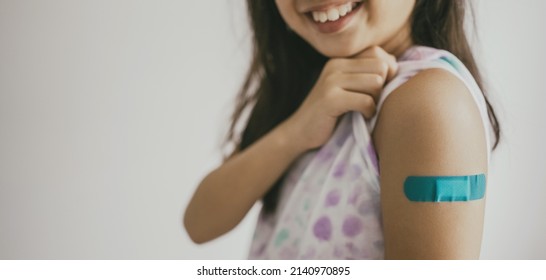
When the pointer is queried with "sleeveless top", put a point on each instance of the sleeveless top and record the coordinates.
(329, 205)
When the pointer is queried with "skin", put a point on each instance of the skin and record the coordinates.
(428, 126)
(382, 23)
(344, 85)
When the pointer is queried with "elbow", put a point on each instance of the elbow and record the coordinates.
(196, 238)
(193, 232)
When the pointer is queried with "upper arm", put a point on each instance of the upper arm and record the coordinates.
(430, 127)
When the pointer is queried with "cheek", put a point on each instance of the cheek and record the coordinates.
(288, 12)
(389, 15)
(402, 10)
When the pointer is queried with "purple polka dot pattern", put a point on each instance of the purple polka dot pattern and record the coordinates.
(353, 197)
(332, 199)
(356, 171)
(329, 204)
(365, 208)
(340, 170)
(338, 252)
(323, 228)
(325, 154)
(350, 246)
(352, 226)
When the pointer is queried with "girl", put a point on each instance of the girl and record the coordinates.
(340, 90)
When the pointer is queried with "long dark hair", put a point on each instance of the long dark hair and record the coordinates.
(284, 68)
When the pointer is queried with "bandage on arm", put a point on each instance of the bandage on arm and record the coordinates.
(430, 128)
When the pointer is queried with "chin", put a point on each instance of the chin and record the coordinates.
(335, 53)
(339, 50)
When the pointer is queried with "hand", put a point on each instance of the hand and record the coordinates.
(345, 84)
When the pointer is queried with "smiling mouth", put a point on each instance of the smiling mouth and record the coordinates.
(335, 13)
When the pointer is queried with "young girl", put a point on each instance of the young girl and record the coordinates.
(340, 90)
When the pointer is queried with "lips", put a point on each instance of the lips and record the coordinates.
(332, 18)
(333, 13)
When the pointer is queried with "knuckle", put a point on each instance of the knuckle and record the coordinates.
(331, 78)
(368, 101)
(380, 66)
(376, 50)
(377, 82)
(330, 96)
(392, 58)
(333, 64)
(383, 68)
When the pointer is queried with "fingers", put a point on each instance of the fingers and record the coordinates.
(363, 83)
(378, 52)
(362, 65)
(354, 101)
(358, 81)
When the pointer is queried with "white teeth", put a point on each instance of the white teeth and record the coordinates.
(320, 16)
(333, 14)
(316, 16)
(323, 17)
(343, 10)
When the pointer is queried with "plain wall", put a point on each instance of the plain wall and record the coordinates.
(111, 112)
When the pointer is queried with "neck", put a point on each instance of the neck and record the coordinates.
(399, 43)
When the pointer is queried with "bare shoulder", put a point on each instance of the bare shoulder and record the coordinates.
(430, 126)
(432, 114)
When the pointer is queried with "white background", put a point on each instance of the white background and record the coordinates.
(111, 112)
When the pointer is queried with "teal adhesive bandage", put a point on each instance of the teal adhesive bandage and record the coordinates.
(444, 188)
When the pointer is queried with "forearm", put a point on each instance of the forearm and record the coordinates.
(225, 195)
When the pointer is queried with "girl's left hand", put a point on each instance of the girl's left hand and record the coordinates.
(345, 84)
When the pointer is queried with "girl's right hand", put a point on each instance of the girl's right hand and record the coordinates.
(345, 84)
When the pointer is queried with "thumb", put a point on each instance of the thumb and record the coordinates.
(380, 53)
(360, 102)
